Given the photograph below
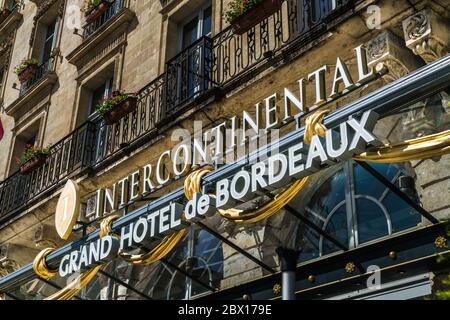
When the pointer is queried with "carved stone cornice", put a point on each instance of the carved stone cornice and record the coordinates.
(427, 35)
(388, 51)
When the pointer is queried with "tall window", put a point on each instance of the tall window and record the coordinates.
(28, 136)
(49, 41)
(196, 27)
(191, 74)
(101, 92)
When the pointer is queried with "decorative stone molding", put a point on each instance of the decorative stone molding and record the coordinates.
(13, 256)
(102, 42)
(45, 237)
(8, 266)
(427, 35)
(388, 51)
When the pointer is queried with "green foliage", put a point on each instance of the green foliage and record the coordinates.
(30, 153)
(90, 5)
(238, 8)
(25, 64)
(107, 104)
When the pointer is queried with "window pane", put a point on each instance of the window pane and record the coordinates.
(337, 228)
(48, 44)
(190, 32)
(207, 264)
(97, 96)
(403, 216)
(207, 21)
(372, 222)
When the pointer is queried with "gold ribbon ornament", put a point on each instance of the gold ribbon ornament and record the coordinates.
(75, 286)
(40, 266)
(415, 149)
(106, 225)
(159, 252)
(193, 184)
(314, 125)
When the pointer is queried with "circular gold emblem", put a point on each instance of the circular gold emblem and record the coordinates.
(66, 214)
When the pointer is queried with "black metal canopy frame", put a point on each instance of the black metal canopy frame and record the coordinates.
(416, 86)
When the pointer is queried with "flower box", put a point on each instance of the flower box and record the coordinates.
(120, 110)
(27, 73)
(34, 163)
(97, 11)
(252, 17)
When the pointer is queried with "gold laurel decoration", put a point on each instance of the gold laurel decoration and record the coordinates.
(106, 224)
(75, 286)
(40, 267)
(415, 149)
(314, 125)
(159, 252)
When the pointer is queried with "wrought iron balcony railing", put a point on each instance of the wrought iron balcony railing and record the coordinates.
(67, 156)
(188, 75)
(112, 10)
(208, 64)
(44, 69)
(133, 127)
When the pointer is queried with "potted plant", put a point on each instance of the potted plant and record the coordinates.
(95, 8)
(26, 69)
(245, 14)
(32, 157)
(117, 106)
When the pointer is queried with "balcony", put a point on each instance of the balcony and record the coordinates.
(44, 71)
(95, 25)
(39, 84)
(66, 158)
(116, 17)
(8, 16)
(188, 75)
(205, 70)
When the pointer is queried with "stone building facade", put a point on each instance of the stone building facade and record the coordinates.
(153, 48)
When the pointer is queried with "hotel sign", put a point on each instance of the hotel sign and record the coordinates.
(271, 172)
(300, 160)
(215, 145)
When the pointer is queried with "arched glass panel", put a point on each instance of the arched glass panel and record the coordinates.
(379, 212)
(337, 228)
(354, 207)
(374, 220)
